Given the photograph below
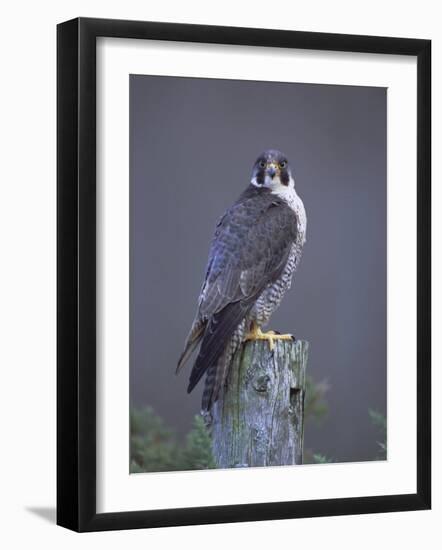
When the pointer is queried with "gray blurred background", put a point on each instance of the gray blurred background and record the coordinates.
(192, 146)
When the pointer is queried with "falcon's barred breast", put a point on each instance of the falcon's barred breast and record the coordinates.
(254, 252)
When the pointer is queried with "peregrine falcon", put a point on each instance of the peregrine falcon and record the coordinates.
(254, 252)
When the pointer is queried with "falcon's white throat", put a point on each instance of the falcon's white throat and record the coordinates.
(288, 194)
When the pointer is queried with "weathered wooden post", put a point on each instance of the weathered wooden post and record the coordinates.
(258, 420)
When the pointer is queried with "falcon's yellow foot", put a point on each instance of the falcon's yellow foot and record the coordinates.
(256, 334)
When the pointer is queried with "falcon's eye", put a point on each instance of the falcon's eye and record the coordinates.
(262, 163)
(283, 164)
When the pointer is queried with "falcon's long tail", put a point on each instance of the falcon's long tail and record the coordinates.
(217, 334)
(209, 387)
(217, 374)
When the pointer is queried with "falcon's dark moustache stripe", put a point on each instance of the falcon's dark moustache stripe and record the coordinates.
(284, 177)
(260, 176)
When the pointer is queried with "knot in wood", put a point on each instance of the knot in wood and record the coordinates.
(261, 383)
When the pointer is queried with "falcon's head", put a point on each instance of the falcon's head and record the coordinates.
(272, 170)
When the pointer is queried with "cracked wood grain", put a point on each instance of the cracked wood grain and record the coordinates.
(258, 419)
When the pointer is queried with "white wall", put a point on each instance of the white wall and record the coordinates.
(27, 289)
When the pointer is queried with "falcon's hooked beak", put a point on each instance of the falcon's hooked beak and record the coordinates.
(272, 170)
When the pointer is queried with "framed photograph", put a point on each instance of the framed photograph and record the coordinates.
(248, 209)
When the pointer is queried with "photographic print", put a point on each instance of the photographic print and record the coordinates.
(225, 225)
(257, 273)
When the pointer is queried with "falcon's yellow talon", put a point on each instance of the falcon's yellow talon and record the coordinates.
(256, 334)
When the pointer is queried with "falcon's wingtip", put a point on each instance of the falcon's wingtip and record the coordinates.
(192, 341)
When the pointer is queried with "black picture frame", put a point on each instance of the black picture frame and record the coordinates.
(76, 273)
